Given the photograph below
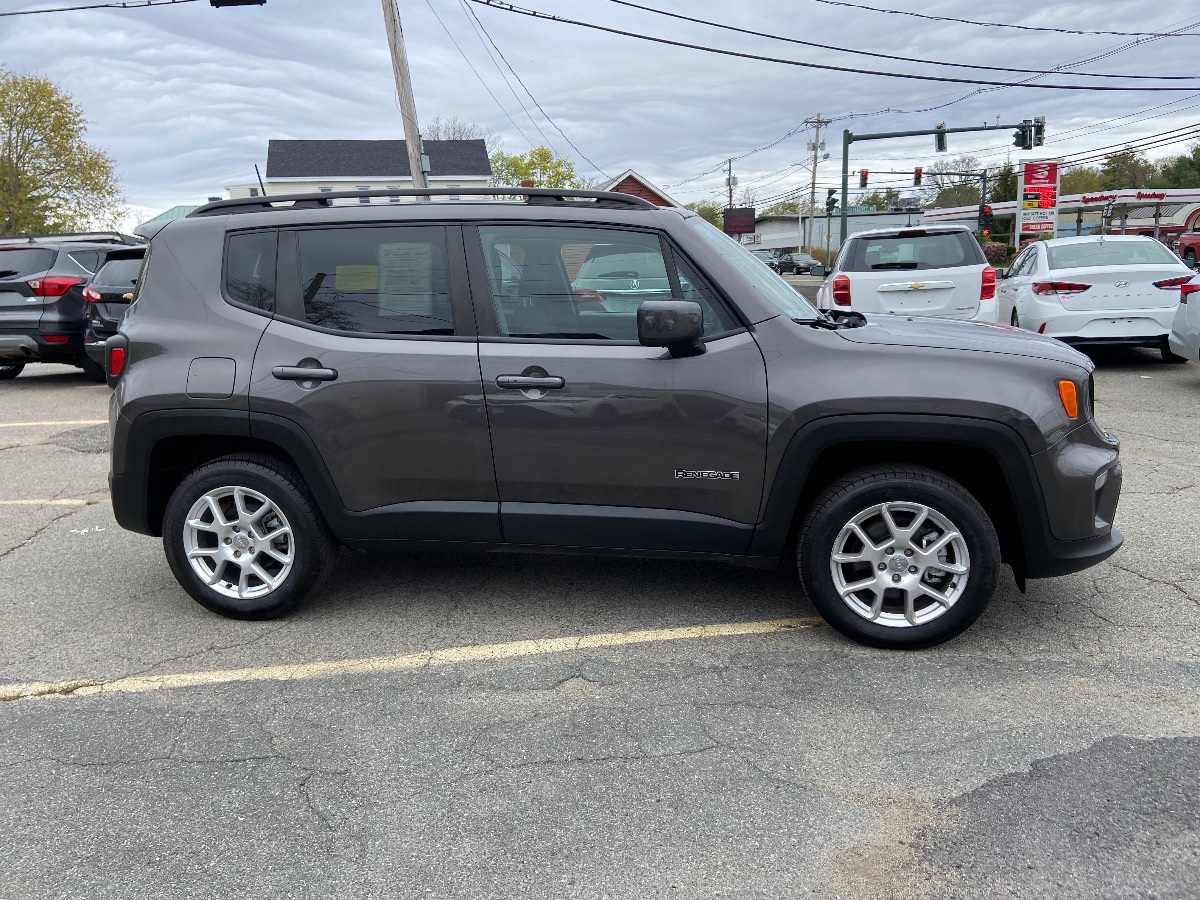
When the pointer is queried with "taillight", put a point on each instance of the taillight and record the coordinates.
(1187, 289)
(54, 286)
(583, 295)
(988, 290)
(116, 360)
(1172, 283)
(91, 296)
(841, 291)
(1062, 288)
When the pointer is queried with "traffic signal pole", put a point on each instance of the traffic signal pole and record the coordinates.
(849, 137)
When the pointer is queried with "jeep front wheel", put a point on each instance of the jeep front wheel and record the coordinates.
(898, 557)
(244, 537)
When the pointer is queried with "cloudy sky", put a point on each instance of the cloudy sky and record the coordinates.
(185, 97)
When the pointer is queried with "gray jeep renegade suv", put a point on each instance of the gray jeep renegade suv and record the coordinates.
(297, 373)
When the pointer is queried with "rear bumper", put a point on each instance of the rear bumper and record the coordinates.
(33, 347)
(14, 347)
(1137, 327)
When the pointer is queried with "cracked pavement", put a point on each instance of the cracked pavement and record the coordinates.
(1051, 751)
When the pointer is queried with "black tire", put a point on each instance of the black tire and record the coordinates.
(1013, 321)
(313, 547)
(92, 369)
(1169, 357)
(856, 493)
(1189, 257)
(10, 370)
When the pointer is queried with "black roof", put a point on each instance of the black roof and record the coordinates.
(341, 159)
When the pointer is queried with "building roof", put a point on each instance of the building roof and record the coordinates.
(630, 182)
(175, 212)
(376, 159)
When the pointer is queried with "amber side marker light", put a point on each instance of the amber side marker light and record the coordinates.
(1069, 398)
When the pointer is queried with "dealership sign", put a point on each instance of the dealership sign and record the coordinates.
(1038, 212)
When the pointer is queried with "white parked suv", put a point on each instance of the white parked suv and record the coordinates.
(1184, 340)
(1112, 289)
(919, 271)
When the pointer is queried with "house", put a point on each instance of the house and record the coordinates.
(630, 182)
(301, 167)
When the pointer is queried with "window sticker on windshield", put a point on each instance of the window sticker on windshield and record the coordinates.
(356, 278)
(405, 279)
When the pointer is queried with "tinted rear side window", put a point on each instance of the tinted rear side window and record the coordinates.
(118, 273)
(917, 251)
(26, 261)
(250, 269)
(392, 280)
(1110, 253)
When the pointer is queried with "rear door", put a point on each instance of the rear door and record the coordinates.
(20, 307)
(916, 272)
(380, 316)
(597, 440)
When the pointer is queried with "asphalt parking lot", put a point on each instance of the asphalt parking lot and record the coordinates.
(507, 726)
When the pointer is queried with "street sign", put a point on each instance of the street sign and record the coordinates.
(739, 221)
(862, 208)
(1038, 212)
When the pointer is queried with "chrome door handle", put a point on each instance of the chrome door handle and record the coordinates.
(302, 373)
(527, 382)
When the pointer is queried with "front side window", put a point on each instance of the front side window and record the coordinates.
(250, 269)
(376, 280)
(583, 283)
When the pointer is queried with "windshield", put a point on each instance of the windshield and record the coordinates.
(1110, 253)
(770, 286)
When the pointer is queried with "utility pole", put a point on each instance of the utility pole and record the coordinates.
(417, 163)
(817, 124)
(729, 182)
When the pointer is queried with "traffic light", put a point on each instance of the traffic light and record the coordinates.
(985, 218)
(862, 178)
(917, 173)
(831, 201)
(1024, 135)
(1039, 131)
(939, 138)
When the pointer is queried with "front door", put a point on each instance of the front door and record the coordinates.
(597, 440)
(372, 353)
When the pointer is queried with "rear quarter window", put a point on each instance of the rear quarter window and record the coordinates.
(250, 269)
(913, 251)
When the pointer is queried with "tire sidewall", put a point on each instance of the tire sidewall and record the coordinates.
(825, 524)
(310, 550)
(10, 370)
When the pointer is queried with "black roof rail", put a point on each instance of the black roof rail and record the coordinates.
(548, 196)
(102, 237)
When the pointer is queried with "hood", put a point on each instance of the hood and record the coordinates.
(948, 334)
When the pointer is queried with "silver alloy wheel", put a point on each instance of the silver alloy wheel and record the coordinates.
(900, 564)
(239, 542)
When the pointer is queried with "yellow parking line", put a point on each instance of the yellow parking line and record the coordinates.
(45, 502)
(65, 422)
(140, 684)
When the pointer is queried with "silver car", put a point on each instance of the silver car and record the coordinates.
(615, 278)
(1185, 330)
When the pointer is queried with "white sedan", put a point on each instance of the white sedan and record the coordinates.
(1185, 332)
(1115, 289)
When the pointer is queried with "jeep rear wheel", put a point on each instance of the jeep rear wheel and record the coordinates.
(244, 537)
(898, 557)
(10, 370)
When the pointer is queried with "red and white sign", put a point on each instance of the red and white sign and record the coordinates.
(1037, 211)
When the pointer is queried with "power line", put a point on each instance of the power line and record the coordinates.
(909, 59)
(477, 75)
(530, 93)
(917, 15)
(131, 4)
(508, 7)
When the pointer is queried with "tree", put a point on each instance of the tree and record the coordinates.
(51, 179)
(953, 182)
(784, 208)
(880, 200)
(712, 211)
(539, 166)
(1083, 180)
(1002, 185)
(1181, 171)
(455, 129)
(1126, 169)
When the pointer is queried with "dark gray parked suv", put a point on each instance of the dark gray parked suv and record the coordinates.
(297, 373)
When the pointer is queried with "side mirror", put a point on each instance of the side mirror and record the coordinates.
(818, 270)
(677, 325)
